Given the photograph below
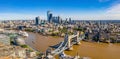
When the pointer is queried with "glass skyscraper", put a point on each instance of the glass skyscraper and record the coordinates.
(37, 20)
(49, 16)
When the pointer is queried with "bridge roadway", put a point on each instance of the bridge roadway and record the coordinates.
(64, 44)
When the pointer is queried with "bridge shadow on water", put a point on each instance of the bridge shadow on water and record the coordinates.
(55, 46)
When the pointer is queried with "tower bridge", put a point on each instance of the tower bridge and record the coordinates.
(69, 41)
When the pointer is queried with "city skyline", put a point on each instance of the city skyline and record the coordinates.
(77, 10)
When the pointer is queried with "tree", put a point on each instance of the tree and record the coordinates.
(24, 46)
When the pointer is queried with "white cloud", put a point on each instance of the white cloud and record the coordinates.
(113, 12)
(114, 9)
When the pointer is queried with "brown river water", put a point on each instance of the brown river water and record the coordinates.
(88, 49)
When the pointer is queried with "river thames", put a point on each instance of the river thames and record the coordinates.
(88, 49)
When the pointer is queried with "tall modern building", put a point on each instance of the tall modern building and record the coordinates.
(37, 20)
(70, 21)
(59, 20)
(66, 21)
(49, 16)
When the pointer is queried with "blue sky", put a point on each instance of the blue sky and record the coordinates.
(76, 9)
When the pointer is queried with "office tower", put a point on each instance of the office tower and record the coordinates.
(70, 21)
(66, 21)
(49, 16)
(59, 20)
(54, 19)
(37, 20)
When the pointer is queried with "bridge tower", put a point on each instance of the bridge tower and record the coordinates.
(69, 44)
(77, 38)
(68, 40)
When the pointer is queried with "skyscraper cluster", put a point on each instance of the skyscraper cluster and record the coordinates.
(53, 19)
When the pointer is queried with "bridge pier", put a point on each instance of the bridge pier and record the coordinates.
(70, 48)
(78, 43)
